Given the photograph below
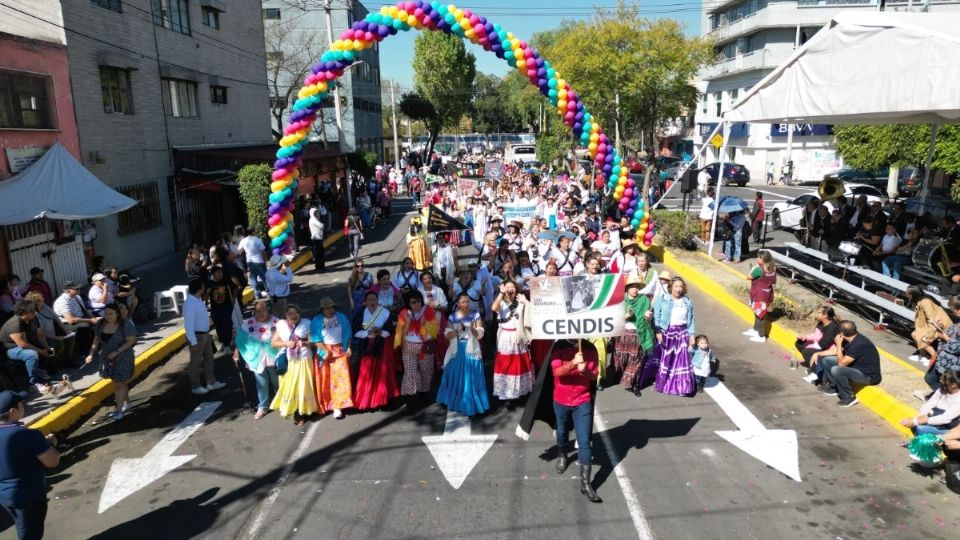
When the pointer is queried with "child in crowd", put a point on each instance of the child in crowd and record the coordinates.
(703, 360)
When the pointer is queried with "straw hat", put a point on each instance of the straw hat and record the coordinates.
(665, 274)
(327, 302)
(633, 281)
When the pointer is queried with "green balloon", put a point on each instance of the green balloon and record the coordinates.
(552, 93)
(551, 73)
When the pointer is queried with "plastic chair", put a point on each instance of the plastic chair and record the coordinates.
(180, 293)
(165, 301)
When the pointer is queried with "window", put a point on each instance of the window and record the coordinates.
(272, 14)
(179, 98)
(115, 86)
(210, 17)
(24, 101)
(172, 14)
(718, 102)
(113, 5)
(218, 94)
(144, 215)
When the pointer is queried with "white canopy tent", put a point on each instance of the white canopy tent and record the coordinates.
(57, 186)
(863, 68)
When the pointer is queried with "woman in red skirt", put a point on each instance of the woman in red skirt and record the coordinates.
(512, 369)
(376, 381)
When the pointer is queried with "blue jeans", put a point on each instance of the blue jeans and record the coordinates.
(582, 417)
(844, 377)
(731, 248)
(258, 276)
(29, 519)
(29, 357)
(267, 385)
(929, 430)
(893, 265)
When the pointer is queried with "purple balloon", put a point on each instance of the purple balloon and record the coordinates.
(578, 126)
(540, 61)
(274, 208)
(486, 25)
(382, 31)
(609, 158)
(580, 114)
(607, 168)
(541, 73)
(360, 25)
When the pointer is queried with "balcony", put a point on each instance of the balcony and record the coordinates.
(760, 59)
(803, 13)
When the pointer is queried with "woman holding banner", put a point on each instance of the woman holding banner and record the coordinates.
(669, 363)
(512, 368)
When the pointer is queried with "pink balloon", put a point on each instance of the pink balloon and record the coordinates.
(571, 106)
(569, 115)
(648, 237)
(418, 13)
(367, 36)
(631, 182)
(627, 194)
(409, 7)
(601, 148)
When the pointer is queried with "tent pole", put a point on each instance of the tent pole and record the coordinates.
(716, 196)
(934, 128)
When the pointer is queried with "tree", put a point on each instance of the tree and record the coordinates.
(254, 186)
(290, 54)
(647, 64)
(487, 110)
(443, 76)
(418, 109)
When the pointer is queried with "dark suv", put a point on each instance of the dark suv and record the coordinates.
(733, 173)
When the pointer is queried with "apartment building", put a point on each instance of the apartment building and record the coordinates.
(292, 27)
(752, 38)
(152, 78)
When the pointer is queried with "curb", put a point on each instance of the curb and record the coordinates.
(874, 398)
(67, 414)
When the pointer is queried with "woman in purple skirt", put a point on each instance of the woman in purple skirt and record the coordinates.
(669, 363)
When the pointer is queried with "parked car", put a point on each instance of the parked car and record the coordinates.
(674, 171)
(908, 183)
(733, 173)
(665, 162)
(938, 204)
(787, 214)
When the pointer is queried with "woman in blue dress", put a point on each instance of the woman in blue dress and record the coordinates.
(463, 388)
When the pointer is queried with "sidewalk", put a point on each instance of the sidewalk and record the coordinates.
(158, 339)
(892, 399)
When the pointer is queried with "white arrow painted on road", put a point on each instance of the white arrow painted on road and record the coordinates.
(457, 452)
(775, 447)
(127, 476)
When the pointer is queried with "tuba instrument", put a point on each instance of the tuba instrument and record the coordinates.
(829, 189)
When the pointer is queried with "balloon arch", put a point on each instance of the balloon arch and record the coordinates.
(463, 23)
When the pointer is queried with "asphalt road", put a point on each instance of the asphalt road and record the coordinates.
(371, 476)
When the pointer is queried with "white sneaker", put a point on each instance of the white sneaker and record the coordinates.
(43, 388)
(126, 406)
(215, 385)
(758, 339)
(915, 358)
(200, 390)
(811, 378)
(338, 414)
(751, 332)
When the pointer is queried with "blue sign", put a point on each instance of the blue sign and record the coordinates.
(801, 130)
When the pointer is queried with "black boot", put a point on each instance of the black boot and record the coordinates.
(562, 461)
(585, 487)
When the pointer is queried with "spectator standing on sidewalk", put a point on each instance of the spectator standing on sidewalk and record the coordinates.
(251, 246)
(196, 323)
(857, 362)
(757, 216)
(37, 283)
(316, 239)
(222, 297)
(279, 278)
(763, 278)
(24, 453)
(706, 215)
(25, 342)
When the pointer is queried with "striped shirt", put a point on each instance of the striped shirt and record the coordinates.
(64, 304)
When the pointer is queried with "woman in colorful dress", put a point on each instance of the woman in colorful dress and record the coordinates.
(388, 296)
(512, 368)
(331, 332)
(360, 280)
(376, 381)
(417, 246)
(675, 327)
(433, 295)
(416, 336)
(637, 341)
(463, 388)
(254, 342)
(296, 396)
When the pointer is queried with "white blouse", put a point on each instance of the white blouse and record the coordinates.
(678, 315)
(375, 319)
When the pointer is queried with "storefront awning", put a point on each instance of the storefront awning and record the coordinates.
(57, 186)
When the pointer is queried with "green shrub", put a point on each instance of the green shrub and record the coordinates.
(676, 229)
(254, 185)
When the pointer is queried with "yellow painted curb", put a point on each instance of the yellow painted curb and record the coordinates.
(874, 398)
(66, 415)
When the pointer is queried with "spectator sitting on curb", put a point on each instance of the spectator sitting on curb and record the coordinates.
(929, 317)
(38, 284)
(75, 316)
(948, 353)
(942, 411)
(819, 344)
(857, 362)
(99, 294)
(54, 331)
(24, 453)
(25, 342)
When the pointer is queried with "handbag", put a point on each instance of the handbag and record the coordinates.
(281, 362)
(951, 470)
(346, 226)
(759, 309)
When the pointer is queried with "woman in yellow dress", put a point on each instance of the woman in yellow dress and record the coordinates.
(296, 395)
(332, 334)
(418, 246)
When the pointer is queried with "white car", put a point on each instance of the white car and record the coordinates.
(787, 214)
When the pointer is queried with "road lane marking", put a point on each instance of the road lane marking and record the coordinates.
(644, 532)
(457, 451)
(253, 530)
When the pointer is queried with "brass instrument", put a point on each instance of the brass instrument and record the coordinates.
(944, 265)
(831, 188)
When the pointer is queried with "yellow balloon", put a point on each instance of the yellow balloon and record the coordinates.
(594, 128)
(276, 230)
(458, 14)
(470, 34)
(385, 10)
(413, 21)
(321, 86)
(465, 23)
(521, 64)
(562, 94)
(594, 137)
(357, 45)
(592, 146)
(510, 36)
(562, 104)
(402, 14)
(561, 83)
(392, 11)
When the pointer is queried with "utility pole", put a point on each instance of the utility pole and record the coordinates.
(336, 105)
(616, 122)
(393, 109)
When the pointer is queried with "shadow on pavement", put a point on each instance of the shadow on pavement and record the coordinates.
(635, 434)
